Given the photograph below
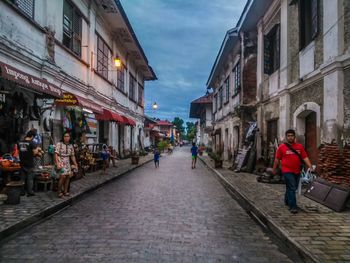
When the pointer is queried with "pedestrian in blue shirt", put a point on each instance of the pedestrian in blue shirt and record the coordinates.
(194, 151)
(156, 156)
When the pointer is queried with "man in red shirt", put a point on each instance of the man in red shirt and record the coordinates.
(291, 166)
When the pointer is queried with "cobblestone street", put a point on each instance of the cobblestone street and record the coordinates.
(170, 214)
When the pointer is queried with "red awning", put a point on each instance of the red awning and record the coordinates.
(75, 100)
(108, 115)
(132, 122)
(27, 80)
(128, 121)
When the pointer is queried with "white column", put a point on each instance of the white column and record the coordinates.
(333, 46)
(284, 45)
(333, 29)
(284, 118)
(333, 100)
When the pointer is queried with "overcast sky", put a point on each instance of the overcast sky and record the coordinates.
(181, 39)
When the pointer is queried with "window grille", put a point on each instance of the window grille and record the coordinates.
(102, 57)
(237, 72)
(72, 28)
(121, 77)
(140, 100)
(26, 6)
(132, 82)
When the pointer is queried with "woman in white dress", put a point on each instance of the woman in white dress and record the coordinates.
(64, 153)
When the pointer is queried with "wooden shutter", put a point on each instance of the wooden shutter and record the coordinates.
(277, 49)
(267, 55)
(314, 17)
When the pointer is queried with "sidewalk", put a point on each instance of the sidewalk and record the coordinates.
(13, 218)
(317, 233)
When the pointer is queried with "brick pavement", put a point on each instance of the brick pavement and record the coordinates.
(31, 209)
(318, 233)
(170, 214)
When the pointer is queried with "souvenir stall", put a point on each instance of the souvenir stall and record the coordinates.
(78, 118)
(25, 100)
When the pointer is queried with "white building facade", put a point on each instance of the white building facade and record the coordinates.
(72, 45)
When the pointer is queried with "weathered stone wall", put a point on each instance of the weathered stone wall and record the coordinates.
(346, 24)
(293, 42)
(319, 38)
(312, 93)
(270, 111)
(347, 104)
(249, 81)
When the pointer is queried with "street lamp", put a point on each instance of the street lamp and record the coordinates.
(155, 106)
(117, 62)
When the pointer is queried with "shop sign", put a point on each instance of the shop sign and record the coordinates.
(68, 100)
(22, 78)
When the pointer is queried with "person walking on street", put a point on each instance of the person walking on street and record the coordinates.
(27, 151)
(105, 154)
(64, 153)
(291, 155)
(194, 151)
(156, 156)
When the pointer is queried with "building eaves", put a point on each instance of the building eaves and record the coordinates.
(127, 22)
(228, 43)
(253, 11)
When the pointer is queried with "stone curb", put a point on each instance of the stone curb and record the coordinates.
(40, 215)
(266, 220)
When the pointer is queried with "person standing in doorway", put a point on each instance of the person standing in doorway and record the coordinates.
(194, 151)
(27, 151)
(64, 153)
(291, 155)
(156, 156)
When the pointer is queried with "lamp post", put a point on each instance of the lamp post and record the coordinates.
(155, 106)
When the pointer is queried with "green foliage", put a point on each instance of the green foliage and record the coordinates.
(162, 145)
(214, 156)
(191, 131)
(142, 152)
(178, 122)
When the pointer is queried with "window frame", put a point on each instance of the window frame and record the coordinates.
(72, 32)
(308, 22)
(132, 82)
(121, 78)
(24, 9)
(220, 97)
(215, 103)
(272, 50)
(104, 64)
(140, 94)
(237, 78)
(227, 89)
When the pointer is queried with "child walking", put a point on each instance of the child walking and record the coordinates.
(156, 156)
(105, 157)
(194, 151)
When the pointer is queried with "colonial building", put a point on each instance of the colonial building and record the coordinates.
(303, 73)
(299, 53)
(67, 49)
(201, 109)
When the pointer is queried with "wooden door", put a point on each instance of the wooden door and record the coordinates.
(311, 137)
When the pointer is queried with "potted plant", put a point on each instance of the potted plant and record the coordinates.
(217, 159)
(201, 149)
(135, 158)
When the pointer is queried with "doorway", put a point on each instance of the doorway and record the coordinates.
(311, 137)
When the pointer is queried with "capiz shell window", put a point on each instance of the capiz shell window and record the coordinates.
(26, 6)
(71, 28)
(102, 57)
